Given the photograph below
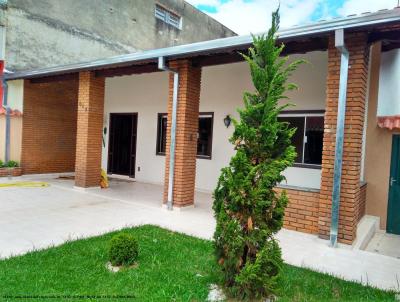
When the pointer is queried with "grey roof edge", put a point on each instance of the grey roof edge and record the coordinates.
(356, 21)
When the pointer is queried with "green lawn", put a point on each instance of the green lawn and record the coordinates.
(172, 267)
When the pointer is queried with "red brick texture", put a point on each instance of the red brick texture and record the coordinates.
(354, 122)
(4, 172)
(302, 211)
(49, 127)
(89, 133)
(186, 132)
(361, 202)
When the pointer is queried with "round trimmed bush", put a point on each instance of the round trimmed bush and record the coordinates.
(123, 250)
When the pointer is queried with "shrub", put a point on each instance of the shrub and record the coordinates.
(247, 209)
(123, 250)
(11, 164)
(1, 164)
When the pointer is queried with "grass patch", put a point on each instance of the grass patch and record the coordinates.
(172, 267)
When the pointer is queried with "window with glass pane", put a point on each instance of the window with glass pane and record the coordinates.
(298, 137)
(308, 139)
(204, 136)
(204, 140)
(161, 133)
(314, 140)
(167, 16)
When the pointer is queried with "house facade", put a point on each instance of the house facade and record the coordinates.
(128, 116)
(43, 33)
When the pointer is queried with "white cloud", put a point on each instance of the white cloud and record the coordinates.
(254, 16)
(246, 17)
(360, 6)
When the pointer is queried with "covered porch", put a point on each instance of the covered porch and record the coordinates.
(69, 116)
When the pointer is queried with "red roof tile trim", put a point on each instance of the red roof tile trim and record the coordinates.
(389, 122)
(15, 112)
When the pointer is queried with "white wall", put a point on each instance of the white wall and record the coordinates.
(147, 95)
(389, 80)
(221, 92)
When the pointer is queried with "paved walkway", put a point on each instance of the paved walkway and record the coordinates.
(34, 218)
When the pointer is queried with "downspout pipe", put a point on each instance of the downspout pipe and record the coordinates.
(162, 66)
(337, 170)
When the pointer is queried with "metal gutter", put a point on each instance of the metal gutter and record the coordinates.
(337, 169)
(171, 174)
(216, 46)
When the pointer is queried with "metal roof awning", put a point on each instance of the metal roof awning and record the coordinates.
(217, 46)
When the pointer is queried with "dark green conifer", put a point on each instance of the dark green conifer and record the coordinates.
(249, 212)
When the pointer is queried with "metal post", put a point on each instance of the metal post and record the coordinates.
(162, 66)
(337, 172)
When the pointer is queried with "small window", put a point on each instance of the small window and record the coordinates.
(204, 139)
(308, 139)
(168, 17)
(161, 133)
(204, 135)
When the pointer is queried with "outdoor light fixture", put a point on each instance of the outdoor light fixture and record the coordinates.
(227, 121)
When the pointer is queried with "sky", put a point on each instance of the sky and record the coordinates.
(254, 16)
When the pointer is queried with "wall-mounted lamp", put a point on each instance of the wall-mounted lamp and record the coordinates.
(227, 121)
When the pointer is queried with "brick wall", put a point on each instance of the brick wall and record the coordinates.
(356, 92)
(49, 127)
(361, 201)
(302, 211)
(5, 172)
(90, 126)
(186, 134)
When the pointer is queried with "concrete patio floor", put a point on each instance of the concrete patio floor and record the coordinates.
(385, 244)
(35, 218)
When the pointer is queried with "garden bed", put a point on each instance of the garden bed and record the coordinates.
(15, 171)
(171, 267)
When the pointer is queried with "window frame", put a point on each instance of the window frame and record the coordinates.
(164, 14)
(159, 126)
(211, 114)
(304, 114)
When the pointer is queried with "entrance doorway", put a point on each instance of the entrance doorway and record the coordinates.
(122, 144)
(393, 219)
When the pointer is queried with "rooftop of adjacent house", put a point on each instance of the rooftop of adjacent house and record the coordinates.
(302, 38)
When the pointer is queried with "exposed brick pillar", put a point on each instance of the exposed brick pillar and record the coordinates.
(356, 43)
(89, 130)
(186, 132)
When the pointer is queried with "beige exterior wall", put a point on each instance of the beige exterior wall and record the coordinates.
(16, 94)
(221, 92)
(15, 101)
(15, 137)
(378, 146)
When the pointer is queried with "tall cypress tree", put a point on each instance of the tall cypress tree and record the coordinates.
(249, 212)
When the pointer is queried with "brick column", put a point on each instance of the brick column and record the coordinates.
(89, 130)
(356, 43)
(186, 132)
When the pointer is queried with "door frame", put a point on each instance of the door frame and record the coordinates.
(109, 164)
(395, 155)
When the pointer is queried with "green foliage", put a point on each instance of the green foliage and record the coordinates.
(123, 249)
(11, 164)
(247, 209)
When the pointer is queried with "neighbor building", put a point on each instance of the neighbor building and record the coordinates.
(117, 114)
(36, 34)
